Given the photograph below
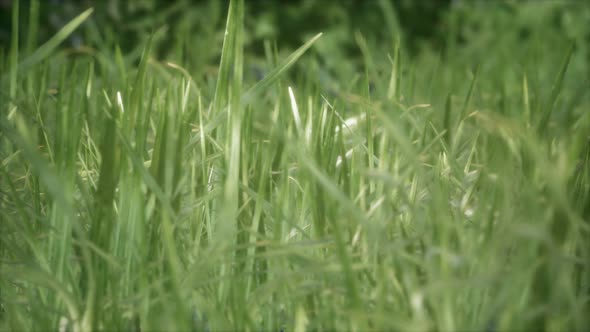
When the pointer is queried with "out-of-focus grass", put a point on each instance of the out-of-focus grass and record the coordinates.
(305, 191)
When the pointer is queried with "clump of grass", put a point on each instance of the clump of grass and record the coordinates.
(416, 195)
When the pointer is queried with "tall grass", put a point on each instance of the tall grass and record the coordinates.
(417, 194)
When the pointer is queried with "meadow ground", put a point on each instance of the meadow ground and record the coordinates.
(433, 189)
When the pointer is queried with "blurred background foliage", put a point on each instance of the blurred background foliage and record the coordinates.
(460, 31)
(523, 37)
(434, 25)
(286, 21)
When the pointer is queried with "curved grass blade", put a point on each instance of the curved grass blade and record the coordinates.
(555, 90)
(46, 49)
(274, 75)
(263, 84)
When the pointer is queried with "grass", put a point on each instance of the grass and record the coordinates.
(439, 191)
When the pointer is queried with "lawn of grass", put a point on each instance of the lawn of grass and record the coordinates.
(294, 190)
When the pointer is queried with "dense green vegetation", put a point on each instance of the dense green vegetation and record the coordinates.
(217, 166)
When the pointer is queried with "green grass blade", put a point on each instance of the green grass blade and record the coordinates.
(13, 56)
(272, 77)
(549, 105)
(46, 49)
(469, 95)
